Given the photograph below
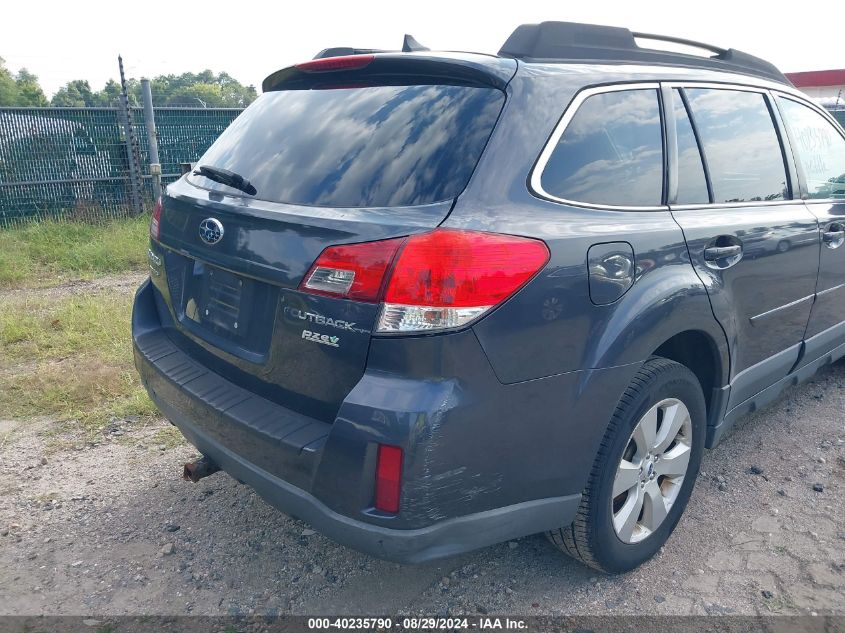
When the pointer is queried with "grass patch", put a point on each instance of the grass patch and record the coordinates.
(69, 358)
(43, 253)
(46, 328)
(83, 391)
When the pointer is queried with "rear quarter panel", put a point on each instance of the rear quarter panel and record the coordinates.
(551, 326)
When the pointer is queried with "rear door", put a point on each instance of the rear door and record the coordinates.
(334, 159)
(753, 243)
(819, 148)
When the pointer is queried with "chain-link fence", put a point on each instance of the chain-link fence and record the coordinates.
(75, 162)
(183, 136)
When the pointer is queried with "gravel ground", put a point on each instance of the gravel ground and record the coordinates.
(112, 529)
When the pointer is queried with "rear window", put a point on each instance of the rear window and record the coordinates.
(611, 153)
(372, 146)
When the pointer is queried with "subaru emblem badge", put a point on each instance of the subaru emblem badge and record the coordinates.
(211, 231)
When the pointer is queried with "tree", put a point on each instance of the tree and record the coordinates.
(196, 90)
(236, 95)
(196, 95)
(76, 94)
(204, 89)
(30, 93)
(21, 89)
(108, 97)
(8, 87)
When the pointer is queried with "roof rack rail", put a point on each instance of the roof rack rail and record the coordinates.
(558, 41)
(409, 45)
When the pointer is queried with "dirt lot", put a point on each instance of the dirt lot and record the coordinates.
(109, 527)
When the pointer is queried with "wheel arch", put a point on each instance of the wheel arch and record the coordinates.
(698, 352)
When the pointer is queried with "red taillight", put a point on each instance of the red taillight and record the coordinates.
(458, 269)
(447, 278)
(388, 478)
(352, 271)
(155, 221)
(441, 279)
(328, 64)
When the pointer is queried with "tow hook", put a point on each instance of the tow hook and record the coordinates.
(203, 467)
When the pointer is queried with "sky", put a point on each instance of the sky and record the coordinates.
(249, 39)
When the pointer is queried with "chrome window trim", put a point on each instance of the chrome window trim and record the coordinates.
(825, 115)
(535, 177)
(737, 205)
(714, 86)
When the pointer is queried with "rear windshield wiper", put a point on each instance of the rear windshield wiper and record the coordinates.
(226, 177)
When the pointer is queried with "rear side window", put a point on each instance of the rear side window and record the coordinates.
(692, 183)
(362, 146)
(611, 152)
(820, 148)
(740, 144)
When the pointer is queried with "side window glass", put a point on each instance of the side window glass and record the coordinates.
(611, 153)
(739, 140)
(820, 148)
(692, 183)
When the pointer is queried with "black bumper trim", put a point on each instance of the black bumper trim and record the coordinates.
(264, 418)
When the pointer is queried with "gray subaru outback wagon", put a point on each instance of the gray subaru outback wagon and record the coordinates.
(431, 301)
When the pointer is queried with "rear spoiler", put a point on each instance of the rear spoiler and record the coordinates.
(393, 68)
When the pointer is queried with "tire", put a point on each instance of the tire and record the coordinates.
(592, 538)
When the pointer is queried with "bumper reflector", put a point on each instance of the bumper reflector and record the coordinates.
(388, 478)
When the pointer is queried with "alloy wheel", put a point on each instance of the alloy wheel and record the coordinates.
(652, 470)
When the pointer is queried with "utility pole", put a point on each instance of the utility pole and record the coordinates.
(152, 138)
(132, 154)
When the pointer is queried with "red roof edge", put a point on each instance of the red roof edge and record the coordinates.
(817, 78)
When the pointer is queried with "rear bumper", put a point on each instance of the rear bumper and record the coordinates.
(444, 538)
(484, 462)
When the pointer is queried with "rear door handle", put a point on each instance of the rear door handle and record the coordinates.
(716, 253)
